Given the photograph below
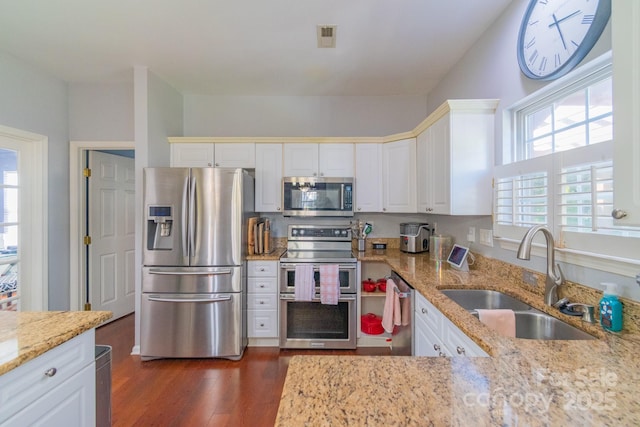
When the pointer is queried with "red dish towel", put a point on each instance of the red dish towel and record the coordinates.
(503, 321)
(391, 315)
(329, 284)
(304, 285)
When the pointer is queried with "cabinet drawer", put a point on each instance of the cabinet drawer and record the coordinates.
(28, 382)
(427, 312)
(263, 268)
(262, 302)
(262, 285)
(262, 323)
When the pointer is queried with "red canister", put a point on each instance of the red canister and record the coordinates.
(371, 324)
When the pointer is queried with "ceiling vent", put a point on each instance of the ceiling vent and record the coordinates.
(326, 35)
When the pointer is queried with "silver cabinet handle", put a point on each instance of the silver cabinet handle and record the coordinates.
(442, 354)
(460, 350)
(424, 311)
(261, 303)
(278, 208)
(436, 347)
(50, 372)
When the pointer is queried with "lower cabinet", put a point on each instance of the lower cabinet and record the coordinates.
(435, 335)
(262, 303)
(54, 389)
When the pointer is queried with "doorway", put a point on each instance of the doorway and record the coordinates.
(102, 207)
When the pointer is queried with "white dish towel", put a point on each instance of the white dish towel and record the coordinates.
(304, 285)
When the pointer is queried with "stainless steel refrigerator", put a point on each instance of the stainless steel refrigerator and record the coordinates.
(194, 262)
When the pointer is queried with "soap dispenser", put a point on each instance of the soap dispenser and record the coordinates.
(611, 308)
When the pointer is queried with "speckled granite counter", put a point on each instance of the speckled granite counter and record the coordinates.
(525, 382)
(26, 335)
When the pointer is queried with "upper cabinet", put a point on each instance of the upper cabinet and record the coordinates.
(455, 159)
(399, 176)
(322, 160)
(625, 16)
(368, 185)
(206, 154)
(268, 184)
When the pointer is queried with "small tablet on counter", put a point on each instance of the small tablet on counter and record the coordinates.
(458, 257)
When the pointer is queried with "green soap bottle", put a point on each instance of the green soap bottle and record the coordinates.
(611, 308)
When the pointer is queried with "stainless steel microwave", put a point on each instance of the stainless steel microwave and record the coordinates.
(317, 196)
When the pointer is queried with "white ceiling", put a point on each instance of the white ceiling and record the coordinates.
(249, 47)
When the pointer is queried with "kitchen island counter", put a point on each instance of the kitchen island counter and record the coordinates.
(27, 335)
(524, 382)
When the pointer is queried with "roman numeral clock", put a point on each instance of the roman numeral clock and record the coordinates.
(555, 35)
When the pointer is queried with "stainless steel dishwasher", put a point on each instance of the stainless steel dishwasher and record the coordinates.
(402, 341)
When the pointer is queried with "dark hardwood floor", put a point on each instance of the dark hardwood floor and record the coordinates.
(197, 392)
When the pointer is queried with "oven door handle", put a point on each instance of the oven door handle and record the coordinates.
(292, 266)
(292, 297)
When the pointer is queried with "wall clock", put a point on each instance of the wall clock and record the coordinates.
(555, 35)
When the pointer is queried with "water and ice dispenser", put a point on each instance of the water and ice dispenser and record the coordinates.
(159, 228)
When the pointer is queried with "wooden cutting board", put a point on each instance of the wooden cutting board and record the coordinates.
(251, 240)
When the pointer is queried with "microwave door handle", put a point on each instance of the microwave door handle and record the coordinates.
(341, 196)
(185, 219)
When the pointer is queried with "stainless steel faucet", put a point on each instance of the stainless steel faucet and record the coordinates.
(553, 279)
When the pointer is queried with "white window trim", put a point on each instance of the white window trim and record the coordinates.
(618, 263)
(33, 237)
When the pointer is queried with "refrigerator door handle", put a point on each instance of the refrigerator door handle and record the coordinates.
(185, 219)
(159, 298)
(171, 272)
(192, 215)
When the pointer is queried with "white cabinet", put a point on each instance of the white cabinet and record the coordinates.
(206, 154)
(54, 389)
(626, 106)
(455, 159)
(324, 160)
(262, 302)
(268, 178)
(197, 155)
(436, 335)
(368, 185)
(399, 176)
(235, 155)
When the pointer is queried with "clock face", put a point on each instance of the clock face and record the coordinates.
(555, 35)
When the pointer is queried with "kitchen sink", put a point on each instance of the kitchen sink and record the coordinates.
(530, 323)
(535, 325)
(471, 299)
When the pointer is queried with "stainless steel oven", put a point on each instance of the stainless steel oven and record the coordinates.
(311, 324)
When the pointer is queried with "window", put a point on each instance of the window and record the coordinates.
(9, 189)
(561, 173)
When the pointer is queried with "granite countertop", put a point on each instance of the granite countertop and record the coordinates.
(28, 334)
(524, 382)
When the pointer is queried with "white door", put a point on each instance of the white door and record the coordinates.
(111, 225)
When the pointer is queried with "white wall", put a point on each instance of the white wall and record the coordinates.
(301, 115)
(165, 110)
(101, 111)
(34, 101)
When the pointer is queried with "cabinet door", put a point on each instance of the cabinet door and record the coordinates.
(459, 344)
(71, 404)
(197, 155)
(300, 159)
(268, 183)
(423, 168)
(368, 185)
(240, 155)
(336, 160)
(626, 107)
(399, 176)
(439, 171)
(426, 341)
